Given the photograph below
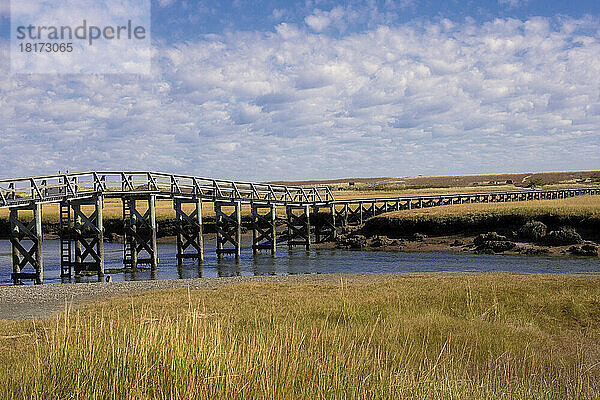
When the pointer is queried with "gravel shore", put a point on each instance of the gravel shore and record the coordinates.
(45, 301)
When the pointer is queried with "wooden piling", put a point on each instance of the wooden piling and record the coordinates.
(324, 223)
(189, 230)
(264, 228)
(140, 245)
(229, 228)
(298, 225)
(31, 233)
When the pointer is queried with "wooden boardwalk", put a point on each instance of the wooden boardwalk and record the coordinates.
(81, 199)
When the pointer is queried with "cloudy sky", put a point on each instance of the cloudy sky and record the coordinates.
(322, 89)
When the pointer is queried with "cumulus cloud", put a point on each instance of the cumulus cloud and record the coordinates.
(97, 32)
(318, 21)
(434, 97)
(165, 3)
(513, 3)
(339, 18)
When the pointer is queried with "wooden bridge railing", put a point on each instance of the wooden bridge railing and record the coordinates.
(56, 188)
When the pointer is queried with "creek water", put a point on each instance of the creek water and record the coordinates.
(300, 261)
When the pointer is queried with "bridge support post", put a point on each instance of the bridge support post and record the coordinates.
(88, 234)
(324, 223)
(345, 214)
(360, 211)
(66, 257)
(189, 230)
(354, 217)
(298, 226)
(140, 233)
(29, 254)
(100, 227)
(229, 228)
(264, 228)
(153, 232)
(341, 216)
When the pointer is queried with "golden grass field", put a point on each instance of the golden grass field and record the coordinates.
(588, 206)
(369, 194)
(489, 336)
(447, 181)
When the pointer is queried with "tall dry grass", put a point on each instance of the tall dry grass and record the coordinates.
(587, 206)
(438, 337)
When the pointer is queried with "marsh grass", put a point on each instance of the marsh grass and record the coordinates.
(435, 336)
(587, 206)
(398, 191)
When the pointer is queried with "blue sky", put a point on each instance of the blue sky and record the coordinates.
(323, 89)
(190, 19)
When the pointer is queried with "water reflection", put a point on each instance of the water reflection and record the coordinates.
(189, 269)
(263, 264)
(228, 266)
(300, 261)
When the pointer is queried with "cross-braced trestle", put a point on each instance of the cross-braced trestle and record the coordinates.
(264, 227)
(81, 224)
(189, 230)
(229, 228)
(298, 226)
(26, 241)
(139, 245)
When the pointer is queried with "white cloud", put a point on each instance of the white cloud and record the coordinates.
(513, 3)
(338, 18)
(318, 22)
(93, 52)
(4, 8)
(165, 3)
(227, 146)
(278, 14)
(441, 97)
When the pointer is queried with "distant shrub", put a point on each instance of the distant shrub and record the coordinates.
(532, 231)
(588, 250)
(492, 243)
(563, 236)
(488, 237)
(535, 182)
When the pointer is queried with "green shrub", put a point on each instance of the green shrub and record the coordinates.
(532, 231)
(562, 237)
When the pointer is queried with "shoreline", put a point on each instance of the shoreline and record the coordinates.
(419, 243)
(46, 301)
(457, 244)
